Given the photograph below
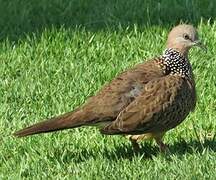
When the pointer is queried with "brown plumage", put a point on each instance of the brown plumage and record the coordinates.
(142, 102)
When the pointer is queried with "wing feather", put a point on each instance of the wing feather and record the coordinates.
(163, 104)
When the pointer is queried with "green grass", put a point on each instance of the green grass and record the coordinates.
(54, 54)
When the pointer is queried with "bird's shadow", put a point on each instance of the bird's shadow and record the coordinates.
(178, 149)
(147, 151)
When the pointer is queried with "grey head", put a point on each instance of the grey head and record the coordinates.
(182, 38)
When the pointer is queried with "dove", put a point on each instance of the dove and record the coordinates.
(143, 102)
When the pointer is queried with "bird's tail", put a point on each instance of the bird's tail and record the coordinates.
(68, 120)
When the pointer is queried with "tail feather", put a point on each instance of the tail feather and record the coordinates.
(69, 120)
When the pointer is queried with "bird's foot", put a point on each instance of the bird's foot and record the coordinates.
(163, 147)
(135, 145)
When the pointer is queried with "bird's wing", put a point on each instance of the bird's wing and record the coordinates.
(163, 104)
(121, 91)
(105, 106)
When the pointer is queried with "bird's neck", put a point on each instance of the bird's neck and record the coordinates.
(174, 63)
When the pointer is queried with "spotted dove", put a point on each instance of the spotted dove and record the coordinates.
(143, 102)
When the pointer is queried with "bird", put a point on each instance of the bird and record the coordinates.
(142, 102)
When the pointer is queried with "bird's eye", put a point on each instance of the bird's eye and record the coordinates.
(186, 36)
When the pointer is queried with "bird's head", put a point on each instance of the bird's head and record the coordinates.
(183, 37)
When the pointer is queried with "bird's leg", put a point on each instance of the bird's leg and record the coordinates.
(163, 147)
(135, 145)
(134, 141)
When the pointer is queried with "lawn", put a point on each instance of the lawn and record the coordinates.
(54, 54)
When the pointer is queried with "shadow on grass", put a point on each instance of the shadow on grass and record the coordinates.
(21, 18)
(178, 148)
(147, 151)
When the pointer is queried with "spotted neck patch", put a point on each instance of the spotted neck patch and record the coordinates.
(172, 62)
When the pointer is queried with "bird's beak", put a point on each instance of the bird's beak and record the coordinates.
(200, 44)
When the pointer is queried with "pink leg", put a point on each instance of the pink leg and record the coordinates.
(163, 147)
(135, 145)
